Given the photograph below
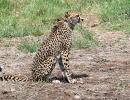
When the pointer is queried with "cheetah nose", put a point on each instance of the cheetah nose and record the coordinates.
(0, 69)
(82, 19)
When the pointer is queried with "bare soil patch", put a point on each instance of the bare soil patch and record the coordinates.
(107, 70)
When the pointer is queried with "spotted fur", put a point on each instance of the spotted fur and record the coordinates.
(10, 77)
(57, 44)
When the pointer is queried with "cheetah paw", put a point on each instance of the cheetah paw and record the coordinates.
(73, 81)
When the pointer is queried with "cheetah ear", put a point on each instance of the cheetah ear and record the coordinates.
(57, 20)
(67, 14)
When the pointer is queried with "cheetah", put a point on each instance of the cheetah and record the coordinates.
(55, 49)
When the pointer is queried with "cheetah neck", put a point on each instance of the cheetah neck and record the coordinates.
(71, 26)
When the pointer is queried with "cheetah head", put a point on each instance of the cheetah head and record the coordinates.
(72, 18)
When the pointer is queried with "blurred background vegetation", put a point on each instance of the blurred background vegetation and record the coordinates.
(35, 17)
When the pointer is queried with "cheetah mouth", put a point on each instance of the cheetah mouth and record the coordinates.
(80, 20)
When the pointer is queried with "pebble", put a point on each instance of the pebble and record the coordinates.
(56, 82)
(90, 58)
(81, 81)
(76, 97)
(74, 81)
(12, 89)
(1, 66)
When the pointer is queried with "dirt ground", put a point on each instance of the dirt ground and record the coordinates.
(107, 72)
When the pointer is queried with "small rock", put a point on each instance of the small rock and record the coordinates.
(13, 89)
(56, 82)
(81, 81)
(76, 97)
(90, 58)
(74, 81)
(1, 66)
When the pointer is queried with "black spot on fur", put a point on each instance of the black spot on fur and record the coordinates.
(0, 69)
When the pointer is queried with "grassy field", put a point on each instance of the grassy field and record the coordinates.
(20, 18)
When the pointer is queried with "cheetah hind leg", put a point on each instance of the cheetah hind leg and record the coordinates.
(46, 68)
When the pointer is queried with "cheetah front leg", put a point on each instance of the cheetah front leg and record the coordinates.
(64, 66)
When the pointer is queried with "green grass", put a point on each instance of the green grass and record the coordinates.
(35, 17)
(31, 17)
(84, 39)
(116, 12)
(120, 86)
(20, 18)
(26, 46)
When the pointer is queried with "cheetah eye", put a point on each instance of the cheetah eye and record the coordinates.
(77, 15)
(71, 17)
